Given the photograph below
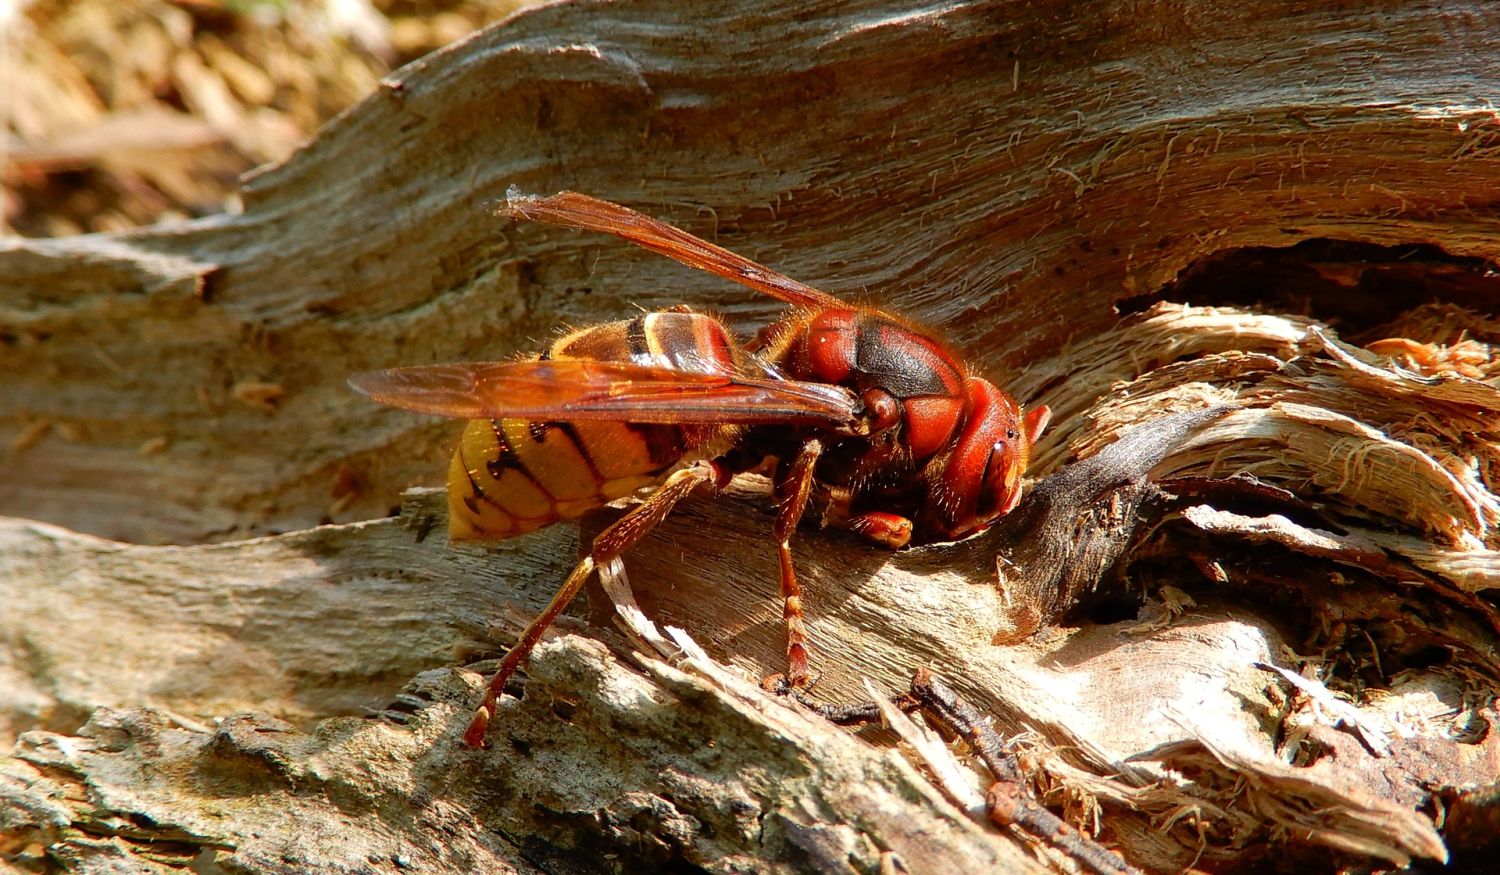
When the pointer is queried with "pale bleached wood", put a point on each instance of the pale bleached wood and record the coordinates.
(1006, 173)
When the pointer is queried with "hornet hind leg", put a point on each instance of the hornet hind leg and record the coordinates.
(614, 540)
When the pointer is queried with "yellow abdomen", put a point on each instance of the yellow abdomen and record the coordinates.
(509, 476)
(512, 476)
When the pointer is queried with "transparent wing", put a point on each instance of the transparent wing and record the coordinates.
(581, 211)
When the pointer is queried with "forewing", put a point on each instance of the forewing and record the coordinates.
(581, 211)
(578, 389)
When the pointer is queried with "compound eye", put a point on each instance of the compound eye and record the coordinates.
(884, 409)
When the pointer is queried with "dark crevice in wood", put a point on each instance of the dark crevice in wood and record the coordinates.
(1352, 285)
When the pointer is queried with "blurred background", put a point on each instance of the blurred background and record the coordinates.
(121, 113)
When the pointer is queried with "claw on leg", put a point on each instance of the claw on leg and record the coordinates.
(479, 724)
(780, 684)
(776, 684)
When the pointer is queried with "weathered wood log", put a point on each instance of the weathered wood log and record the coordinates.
(1124, 213)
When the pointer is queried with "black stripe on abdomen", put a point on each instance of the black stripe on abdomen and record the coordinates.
(635, 338)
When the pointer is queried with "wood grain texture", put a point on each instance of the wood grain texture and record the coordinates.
(1007, 173)
(187, 664)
